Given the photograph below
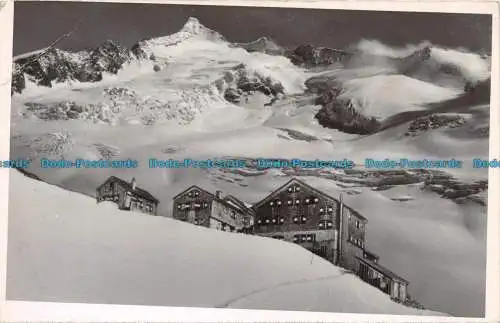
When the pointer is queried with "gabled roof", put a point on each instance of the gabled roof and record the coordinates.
(309, 187)
(229, 201)
(138, 191)
(190, 188)
(232, 199)
(382, 270)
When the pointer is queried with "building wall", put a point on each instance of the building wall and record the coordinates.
(140, 204)
(353, 239)
(398, 290)
(112, 191)
(227, 216)
(298, 210)
(201, 214)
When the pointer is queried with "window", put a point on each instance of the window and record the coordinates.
(297, 188)
(278, 202)
(297, 201)
(290, 202)
(179, 206)
(290, 189)
(274, 220)
(321, 210)
(282, 220)
(271, 203)
(233, 214)
(295, 219)
(196, 193)
(330, 209)
(308, 201)
(316, 200)
(357, 224)
(304, 219)
(326, 224)
(259, 221)
(205, 204)
(267, 221)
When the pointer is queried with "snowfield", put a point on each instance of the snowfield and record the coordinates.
(78, 251)
(180, 111)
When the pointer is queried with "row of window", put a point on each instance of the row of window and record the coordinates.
(194, 194)
(298, 238)
(141, 205)
(184, 206)
(304, 238)
(358, 224)
(324, 224)
(109, 198)
(356, 241)
(307, 201)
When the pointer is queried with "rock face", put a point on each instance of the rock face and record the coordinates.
(309, 56)
(341, 115)
(338, 113)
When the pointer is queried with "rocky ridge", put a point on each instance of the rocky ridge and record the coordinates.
(54, 65)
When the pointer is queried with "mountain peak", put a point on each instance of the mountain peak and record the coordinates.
(194, 26)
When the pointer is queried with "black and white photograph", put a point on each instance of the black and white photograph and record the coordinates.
(256, 158)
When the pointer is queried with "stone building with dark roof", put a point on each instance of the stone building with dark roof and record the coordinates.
(200, 207)
(127, 195)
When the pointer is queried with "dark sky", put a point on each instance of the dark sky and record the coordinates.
(37, 24)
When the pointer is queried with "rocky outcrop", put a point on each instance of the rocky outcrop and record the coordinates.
(309, 56)
(233, 95)
(138, 52)
(18, 80)
(434, 121)
(109, 57)
(450, 188)
(340, 114)
(239, 82)
(336, 112)
(262, 45)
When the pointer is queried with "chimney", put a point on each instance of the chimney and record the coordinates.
(133, 184)
(218, 194)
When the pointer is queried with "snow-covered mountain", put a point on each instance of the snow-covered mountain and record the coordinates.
(129, 258)
(193, 94)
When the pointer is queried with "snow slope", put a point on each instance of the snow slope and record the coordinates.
(180, 112)
(78, 251)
